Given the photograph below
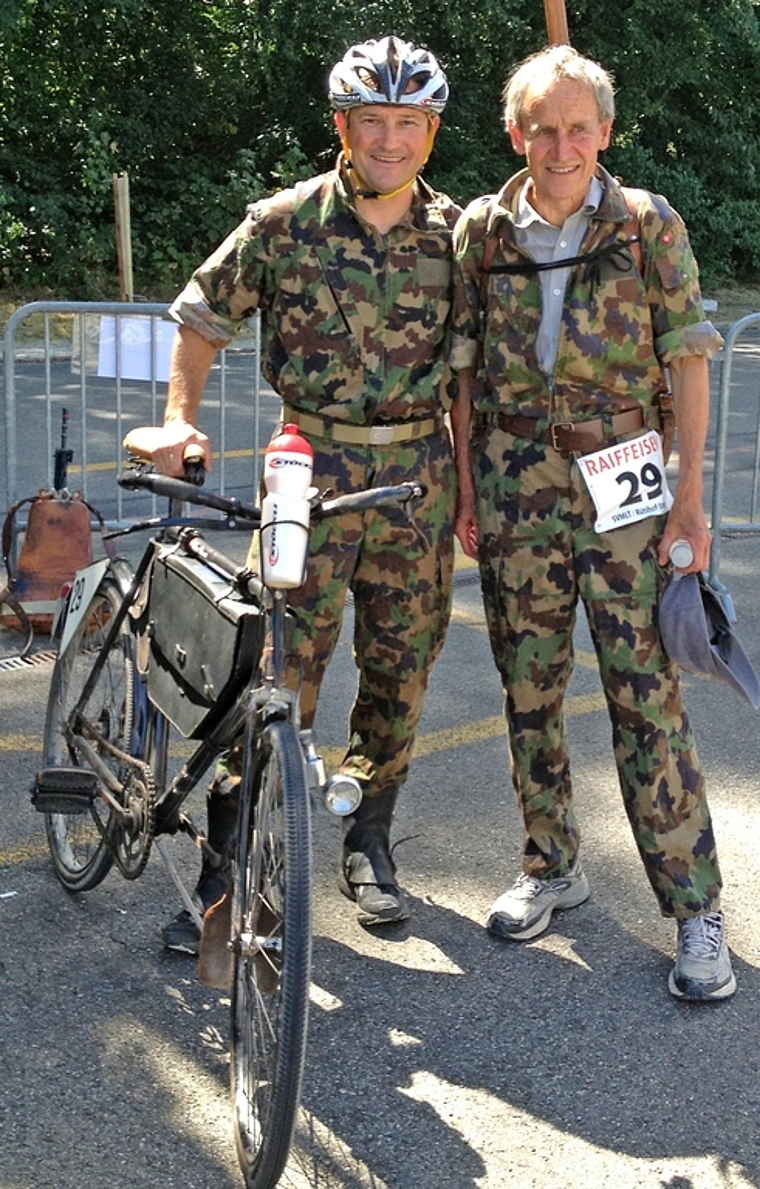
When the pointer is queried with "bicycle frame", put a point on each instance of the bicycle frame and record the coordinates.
(266, 686)
(151, 728)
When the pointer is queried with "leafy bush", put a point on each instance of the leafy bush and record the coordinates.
(211, 104)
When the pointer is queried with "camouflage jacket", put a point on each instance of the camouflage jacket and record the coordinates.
(354, 323)
(625, 314)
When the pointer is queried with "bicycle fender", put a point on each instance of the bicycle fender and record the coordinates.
(83, 586)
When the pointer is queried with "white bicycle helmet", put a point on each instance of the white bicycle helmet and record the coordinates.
(381, 71)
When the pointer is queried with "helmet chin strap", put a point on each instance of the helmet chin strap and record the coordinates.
(361, 191)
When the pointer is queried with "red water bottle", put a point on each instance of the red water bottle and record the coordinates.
(288, 465)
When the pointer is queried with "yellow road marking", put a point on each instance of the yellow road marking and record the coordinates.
(77, 468)
(20, 743)
(429, 744)
(448, 738)
(24, 852)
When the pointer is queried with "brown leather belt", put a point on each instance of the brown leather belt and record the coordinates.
(383, 434)
(574, 437)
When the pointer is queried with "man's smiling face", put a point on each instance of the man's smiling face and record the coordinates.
(561, 137)
(388, 144)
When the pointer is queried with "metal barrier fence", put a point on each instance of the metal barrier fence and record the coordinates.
(736, 511)
(117, 363)
(114, 383)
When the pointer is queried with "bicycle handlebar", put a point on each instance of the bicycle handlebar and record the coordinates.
(403, 495)
(186, 492)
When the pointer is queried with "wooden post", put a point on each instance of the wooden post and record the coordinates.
(556, 22)
(123, 235)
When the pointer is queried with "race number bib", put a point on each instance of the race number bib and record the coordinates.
(627, 482)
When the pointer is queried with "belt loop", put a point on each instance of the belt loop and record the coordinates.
(607, 418)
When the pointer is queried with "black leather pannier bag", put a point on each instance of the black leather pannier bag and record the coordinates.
(204, 641)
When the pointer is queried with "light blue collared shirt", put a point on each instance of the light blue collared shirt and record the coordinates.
(545, 242)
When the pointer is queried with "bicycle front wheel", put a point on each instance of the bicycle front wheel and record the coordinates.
(272, 954)
(82, 845)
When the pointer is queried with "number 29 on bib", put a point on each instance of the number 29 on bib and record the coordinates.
(627, 482)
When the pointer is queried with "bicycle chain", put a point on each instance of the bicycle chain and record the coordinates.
(133, 843)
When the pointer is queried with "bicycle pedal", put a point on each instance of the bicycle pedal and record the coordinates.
(64, 790)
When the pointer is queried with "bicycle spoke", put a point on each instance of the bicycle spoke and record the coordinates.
(82, 845)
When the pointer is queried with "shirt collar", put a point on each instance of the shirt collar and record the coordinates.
(526, 214)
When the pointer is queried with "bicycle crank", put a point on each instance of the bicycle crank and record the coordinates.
(138, 824)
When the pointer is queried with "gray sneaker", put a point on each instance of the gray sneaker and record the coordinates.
(525, 910)
(702, 969)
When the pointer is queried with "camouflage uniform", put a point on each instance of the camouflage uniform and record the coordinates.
(538, 549)
(355, 331)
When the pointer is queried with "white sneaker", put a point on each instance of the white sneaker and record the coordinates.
(525, 910)
(702, 968)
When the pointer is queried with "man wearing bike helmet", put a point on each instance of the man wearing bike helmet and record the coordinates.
(351, 272)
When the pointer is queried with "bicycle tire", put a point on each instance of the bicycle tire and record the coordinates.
(270, 992)
(81, 847)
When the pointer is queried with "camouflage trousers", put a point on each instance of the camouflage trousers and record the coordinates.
(402, 598)
(540, 554)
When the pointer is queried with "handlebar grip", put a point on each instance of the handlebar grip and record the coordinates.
(142, 441)
(163, 485)
(194, 461)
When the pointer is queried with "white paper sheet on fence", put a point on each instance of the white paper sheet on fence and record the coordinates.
(143, 354)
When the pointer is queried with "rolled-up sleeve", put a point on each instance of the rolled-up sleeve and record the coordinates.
(223, 293)
(699, 338)
(190, 308)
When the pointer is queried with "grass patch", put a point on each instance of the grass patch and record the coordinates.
(32, 329)
(734, 302)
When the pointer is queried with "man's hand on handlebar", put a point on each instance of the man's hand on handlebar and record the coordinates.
(168, 446)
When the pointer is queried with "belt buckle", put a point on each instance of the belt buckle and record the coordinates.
(553, 428)
(380, 435)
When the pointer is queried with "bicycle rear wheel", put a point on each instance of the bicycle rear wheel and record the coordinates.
(272, 954)
(82, 845)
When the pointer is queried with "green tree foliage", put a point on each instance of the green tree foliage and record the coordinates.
(209, 104)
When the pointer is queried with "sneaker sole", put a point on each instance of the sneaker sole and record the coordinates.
(500, 926)
(694, 991)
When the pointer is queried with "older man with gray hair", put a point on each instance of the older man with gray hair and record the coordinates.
(573, 297)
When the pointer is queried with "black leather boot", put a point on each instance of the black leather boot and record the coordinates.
(221, 816)
(181, 934)
(368, 873)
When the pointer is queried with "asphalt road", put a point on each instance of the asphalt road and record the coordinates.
(437, 1055)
